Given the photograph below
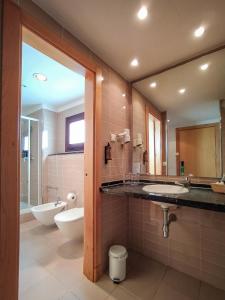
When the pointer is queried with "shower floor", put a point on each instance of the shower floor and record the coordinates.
(24, 205)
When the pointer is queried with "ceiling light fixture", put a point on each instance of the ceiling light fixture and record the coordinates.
(199, 31)
(153, 84)
(101, 78)
(142, 13)
(123, 95)
(40, 76)
(204, 67)
(182, 91)
(134, 62)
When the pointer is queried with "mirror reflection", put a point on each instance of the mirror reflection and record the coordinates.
(178, 119)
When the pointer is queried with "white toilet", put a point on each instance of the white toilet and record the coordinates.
(71, 222)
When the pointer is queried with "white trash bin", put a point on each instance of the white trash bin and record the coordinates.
(117, 263)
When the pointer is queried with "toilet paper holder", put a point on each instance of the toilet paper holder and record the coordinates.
(71, 197)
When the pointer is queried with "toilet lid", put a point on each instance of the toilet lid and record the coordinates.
(70, 214)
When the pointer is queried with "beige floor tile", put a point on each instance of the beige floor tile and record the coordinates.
(86, 290)
(25, 260)
(207, 292)
(51, 268)
(106, 284)
(70, 250)
(31, 276)
(28, 225)
(166, 292)
(144, 277)
(121, 294)
(68, 296)
(182, 283)
(35, 246)
(47, 289)
(68, 272)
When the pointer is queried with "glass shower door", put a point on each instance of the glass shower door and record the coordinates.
(29, 164)
(34, 163)
(24, 146)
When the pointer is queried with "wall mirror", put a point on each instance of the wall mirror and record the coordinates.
(178, 119)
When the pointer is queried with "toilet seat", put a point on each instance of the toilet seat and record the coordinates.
(69, 215)
(71, 222)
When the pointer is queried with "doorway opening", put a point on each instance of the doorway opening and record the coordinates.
(52, 145)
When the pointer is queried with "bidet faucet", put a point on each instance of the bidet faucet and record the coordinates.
(58, 200)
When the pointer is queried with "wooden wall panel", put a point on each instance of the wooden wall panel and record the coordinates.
(9, 147)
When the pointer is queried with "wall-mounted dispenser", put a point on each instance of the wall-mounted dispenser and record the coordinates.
(108, 154)
(138, 142)
(123, 137)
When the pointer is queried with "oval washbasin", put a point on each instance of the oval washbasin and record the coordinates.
(165, 189)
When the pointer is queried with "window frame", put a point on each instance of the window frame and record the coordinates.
(73, 147)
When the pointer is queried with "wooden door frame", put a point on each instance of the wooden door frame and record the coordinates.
(178, 130)
(14, 18)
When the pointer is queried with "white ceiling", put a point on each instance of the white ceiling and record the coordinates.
(111, 29)
(63, 86)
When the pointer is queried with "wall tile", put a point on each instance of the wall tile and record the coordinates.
(196, 243)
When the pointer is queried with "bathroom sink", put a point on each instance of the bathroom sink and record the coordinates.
(165, 189)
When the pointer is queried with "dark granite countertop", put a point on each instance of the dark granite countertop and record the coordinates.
(198, 197)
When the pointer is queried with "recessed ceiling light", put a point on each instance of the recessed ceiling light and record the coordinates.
(204, 67)
(124, 107)
(40, 76)
(101, 78)
(123, 95)
(134, 62)
(199, 31)
(153, 84)
(182, 91)
(168, 121)
(142, 13)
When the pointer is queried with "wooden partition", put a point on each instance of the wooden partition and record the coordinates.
(14, 19)
(9, 145)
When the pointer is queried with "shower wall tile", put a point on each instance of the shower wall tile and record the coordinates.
(66, 173)
(196, 242)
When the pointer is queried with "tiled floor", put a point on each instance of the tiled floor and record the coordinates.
(51, 269)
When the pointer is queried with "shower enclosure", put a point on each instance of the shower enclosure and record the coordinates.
(29, 163)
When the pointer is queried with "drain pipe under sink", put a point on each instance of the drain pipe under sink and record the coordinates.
(167, 219)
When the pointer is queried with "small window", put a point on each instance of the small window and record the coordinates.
(75, 133)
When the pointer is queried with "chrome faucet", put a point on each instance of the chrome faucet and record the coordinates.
(186, 182)
(223, 179)
(58, 201)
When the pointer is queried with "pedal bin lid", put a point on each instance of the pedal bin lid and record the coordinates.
(118, 251)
